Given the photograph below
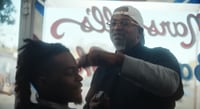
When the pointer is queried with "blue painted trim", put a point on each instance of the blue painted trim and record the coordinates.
(39, 7)
(190, 1)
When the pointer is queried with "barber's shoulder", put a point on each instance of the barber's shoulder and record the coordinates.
(161, 50)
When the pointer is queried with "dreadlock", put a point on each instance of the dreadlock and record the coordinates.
(31, 62)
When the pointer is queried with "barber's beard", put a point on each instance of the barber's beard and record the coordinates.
(120, 46)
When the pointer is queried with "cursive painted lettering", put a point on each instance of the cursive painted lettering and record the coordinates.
(176, 29)
(85, 24)
(191, 17)
(95, 20)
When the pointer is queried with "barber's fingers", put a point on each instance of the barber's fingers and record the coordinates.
(94, 102)
(83, 61)
(95, 98)
(97, 103)
(94, 105)
(90, 59)
(98, 57)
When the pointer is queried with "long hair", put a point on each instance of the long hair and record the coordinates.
(30, 65)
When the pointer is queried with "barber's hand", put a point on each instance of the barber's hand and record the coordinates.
(99, 103)
(99, 57)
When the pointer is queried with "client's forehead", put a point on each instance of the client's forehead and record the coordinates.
(65, 59)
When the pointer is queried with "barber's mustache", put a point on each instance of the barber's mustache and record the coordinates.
(118, 33)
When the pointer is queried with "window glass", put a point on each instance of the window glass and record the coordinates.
(9, 30)
(81, 26)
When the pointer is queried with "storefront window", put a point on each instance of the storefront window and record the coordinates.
(9, 30)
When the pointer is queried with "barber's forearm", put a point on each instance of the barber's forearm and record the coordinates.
(157, 79)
